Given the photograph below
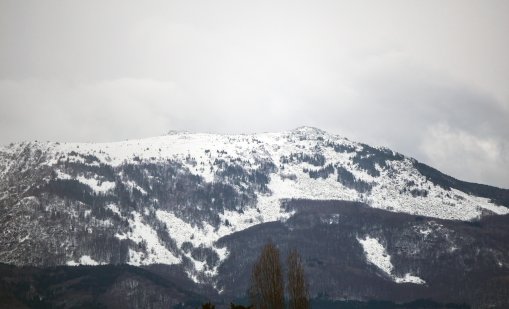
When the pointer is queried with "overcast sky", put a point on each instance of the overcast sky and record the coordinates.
(429, 79)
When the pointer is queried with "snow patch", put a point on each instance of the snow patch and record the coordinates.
(114, 208)
(27, 237)
(131, 184)
(62, 175)
(84, 260)
(156, 252)
(205, 236)
(426, 231)
(377, 255)
(96, 185)
(408, 278)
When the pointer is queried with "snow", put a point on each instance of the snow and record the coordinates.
(377, 255)
(199, 151)
(121, 236)
(182, 231)
(426, 231)
(408, 278)
(386, 195)
(333, 219)
(27, 237)
(205, 148)
(131, 184)
(96, 185)
(62, 175)
(114, 208)
(157, 253)
(84, 260)
(87, 260)
(206, 236)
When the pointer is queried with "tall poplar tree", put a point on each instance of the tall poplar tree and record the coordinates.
(297, 285)
(267, 287)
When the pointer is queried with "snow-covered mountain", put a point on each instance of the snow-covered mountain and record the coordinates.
(171, 199)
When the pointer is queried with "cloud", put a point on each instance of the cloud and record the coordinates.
(440, 121)
(381, 73)
(420, 113)
(99, 111)
(465, 155)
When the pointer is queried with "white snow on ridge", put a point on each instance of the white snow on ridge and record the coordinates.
(198, 152)
(204, 149)
(378, 256)
(440, 203)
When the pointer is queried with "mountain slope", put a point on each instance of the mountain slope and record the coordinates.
(91, 287)
(173, 199)
(419, 258)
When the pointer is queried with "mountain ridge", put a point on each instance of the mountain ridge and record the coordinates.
(172, 199)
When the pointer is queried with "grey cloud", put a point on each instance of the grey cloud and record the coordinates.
(382, 73)
(416, 112)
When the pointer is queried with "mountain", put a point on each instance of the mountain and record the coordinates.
(370, 223)
(105, 286)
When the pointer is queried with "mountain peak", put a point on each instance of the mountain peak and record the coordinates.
(308, 130)
(173, 132)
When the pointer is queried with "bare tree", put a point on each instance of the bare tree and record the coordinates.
(297, 284)
(267, 287)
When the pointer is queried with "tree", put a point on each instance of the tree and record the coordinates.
(297, 285)
(233, 306)
(208, 305)
(267, 287)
